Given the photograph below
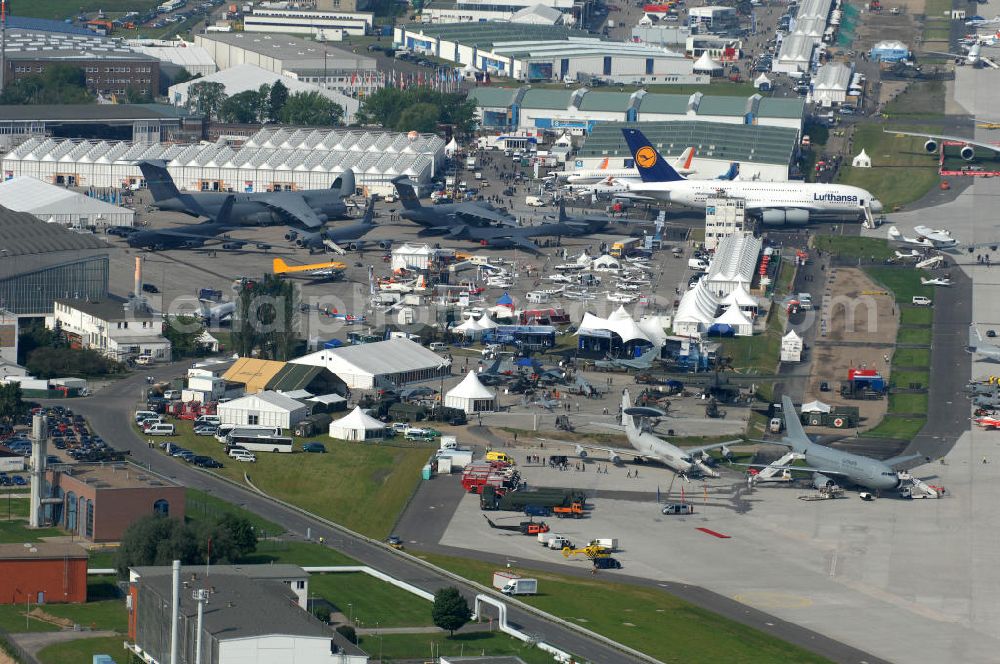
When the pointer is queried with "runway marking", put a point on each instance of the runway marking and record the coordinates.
(713, 533)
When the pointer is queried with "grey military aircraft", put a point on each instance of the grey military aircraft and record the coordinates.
(590, 223)
(470, 213)
(829, 466)
(341, 238)
(977, 347)
(307, 209)
(644, 361)
(193, 236)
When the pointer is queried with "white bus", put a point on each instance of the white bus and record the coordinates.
(260, 443)
(222, 433)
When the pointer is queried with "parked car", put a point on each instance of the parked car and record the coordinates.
(243, 455)
(205, 430)
(314, 447)
(678, 508)
(19, 481)
(203, 461)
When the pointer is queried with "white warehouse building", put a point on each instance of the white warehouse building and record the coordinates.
(266, 409)
(286, 158)
(390, 363)
(323, 26)
(547, 53)
(831, 84)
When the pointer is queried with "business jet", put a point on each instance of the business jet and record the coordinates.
(648, 446)
(775, 203)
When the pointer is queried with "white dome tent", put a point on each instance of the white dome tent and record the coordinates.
(471, 396)
(487, 323)
(706, 65)
(742, 298)
(762, 83)
(451, 148)
(606, 263)
(696, 311)
(791, 347)
(816, 407)
(862, 160)
(357, 425)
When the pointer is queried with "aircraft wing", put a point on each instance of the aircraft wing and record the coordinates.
(525, 244)
(616, 451)
(479, 216)
(903, 461)
(716, 446)
(941, 137)
(294, 207)
(807, 469)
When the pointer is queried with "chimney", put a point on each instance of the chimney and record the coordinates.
(175, 609)
(137, 287)
(39, 455)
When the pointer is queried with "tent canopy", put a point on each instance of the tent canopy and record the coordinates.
(816, 407)
(358, 419)
(470, 388)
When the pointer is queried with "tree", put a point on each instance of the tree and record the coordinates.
(265, 319)
(134, 95)
(82, 362)
(206, 97)
(183, 76)
(348, 632)
(33, 336)
(311, 109)
(183, 333)
(12, 406)
(419, 117)
(58, 84)
(241, 531)
(451, 610)
(242, 108)
(277, 98)
(156, 540)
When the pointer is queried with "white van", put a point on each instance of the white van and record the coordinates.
(437, 346)
(144, 360)
(243, 455)
(534, 201)
(208, 419)
(141, 415)
(161, 429)
(921, 301)
(697, 264)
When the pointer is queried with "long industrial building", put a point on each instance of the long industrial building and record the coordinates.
(763, 153)
(579, 111)
(272, 158)
(546, 53)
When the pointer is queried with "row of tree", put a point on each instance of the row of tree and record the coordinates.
(159, 540)
(268, 103)
(418, 109)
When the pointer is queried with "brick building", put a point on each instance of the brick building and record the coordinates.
(100, 502)
(43, 573)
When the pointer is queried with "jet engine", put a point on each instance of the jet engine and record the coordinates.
(931, 146)
(968, 153)
(727, 453)
(821, 481)
(291, 235)
(580, 452)
(785, 217)
(616, 460)
(309, 240)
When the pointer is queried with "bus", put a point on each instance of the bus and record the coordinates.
(260, 443)
(222, 433)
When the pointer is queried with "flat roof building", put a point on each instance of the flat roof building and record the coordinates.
(832, 83)
(320, 25)
(60, 205)
(43, 573)
(41, 262)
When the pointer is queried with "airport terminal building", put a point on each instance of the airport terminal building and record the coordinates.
(273, 158)
(763, 153)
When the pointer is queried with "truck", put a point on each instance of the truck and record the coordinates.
(514, 584)
(470, 163)
(516, 501)
(314, 425)
(573, 510)
(622, 248)
(534, 201)
(608, 543)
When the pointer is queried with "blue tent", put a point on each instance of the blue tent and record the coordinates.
(506, 300)
(333, 343)
(721, 330)
(527, 362)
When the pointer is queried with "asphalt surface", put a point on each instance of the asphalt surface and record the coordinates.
(109, 413)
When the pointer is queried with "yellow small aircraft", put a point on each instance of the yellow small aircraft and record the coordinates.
(988, 125)
(279, 266)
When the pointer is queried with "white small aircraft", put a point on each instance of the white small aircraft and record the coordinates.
(931, 263)
(914, 255)
(939, 281)
(647, 445)
(983, 21)
(926, 237)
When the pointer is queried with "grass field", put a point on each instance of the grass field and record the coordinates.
(202, 505)
(14, 507)
(921, 98)
(897, 426)
(904, 283)
(908, 403)
(103, 610)
(901, 171)
(82, 651)
(937, 8)
(854, 246)
(907, 378)
(62, 9)
(417, 647)
(917, 316)
(914, 335)
(363, 486)
(368, 600)
(758, 353)
(912, 357)
(17, 531)
(643, 618)
(304, 554)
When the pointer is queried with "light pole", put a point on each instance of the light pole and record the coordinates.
(201, 597)
(350, 613)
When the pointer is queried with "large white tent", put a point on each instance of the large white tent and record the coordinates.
(619, 322)
(394, 362)
(61, 205)
(470, 328)
(696, 311)
(736, 319)
(471, 396)
(487, 323)
(357, 425)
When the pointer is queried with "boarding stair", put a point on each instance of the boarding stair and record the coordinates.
(914, 487)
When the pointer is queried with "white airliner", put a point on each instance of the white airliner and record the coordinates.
(973, 57)
(592, 176)
(777, 203)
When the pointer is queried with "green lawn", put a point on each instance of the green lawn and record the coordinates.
(901, 172)
(102, 614)
(911, 315)
(937, 8)
(368, 600)
(758, 353)
(202, 505)
(102, 559)
(786, 278)
(643, 618)
(921, 98)
(417, 647)
(852, 245)
(363, 486)
(61, 9)
(914, 335)
(82, 651)
(16, 531)
(912, 357)
(304, 554)
(908, 403)
(904, 283)
(14, 507)
(897, 426)
(904, 378)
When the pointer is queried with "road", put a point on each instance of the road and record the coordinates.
(109, 413)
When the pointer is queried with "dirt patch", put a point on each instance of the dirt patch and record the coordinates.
(39, 614)
(860, 321)
(6, 659)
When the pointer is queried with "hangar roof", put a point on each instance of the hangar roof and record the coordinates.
(22, 234)
(485, 35)
(605, 101)
(552, 99)
(493, 97)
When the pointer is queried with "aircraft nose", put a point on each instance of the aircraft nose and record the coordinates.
(876, 205)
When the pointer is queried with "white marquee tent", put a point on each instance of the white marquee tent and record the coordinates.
(791, 347)
(736, 319)
(706, 65)
(60, 205)
(357, 425)
(471, 396)
(470, 328)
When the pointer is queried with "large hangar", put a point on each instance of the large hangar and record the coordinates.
(273, 158)
(764, 153)
(579, 111)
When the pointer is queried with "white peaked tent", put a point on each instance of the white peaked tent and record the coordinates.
(357, 425)
(451, 148)
(791, 347)
(706, 65)
(619, 322)
(816, 407)
(862, 160)
(742, 298)
(762, 82)
(487, 323)
(471, 396)
(736, 319)
(470, 328)
(606, 263)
